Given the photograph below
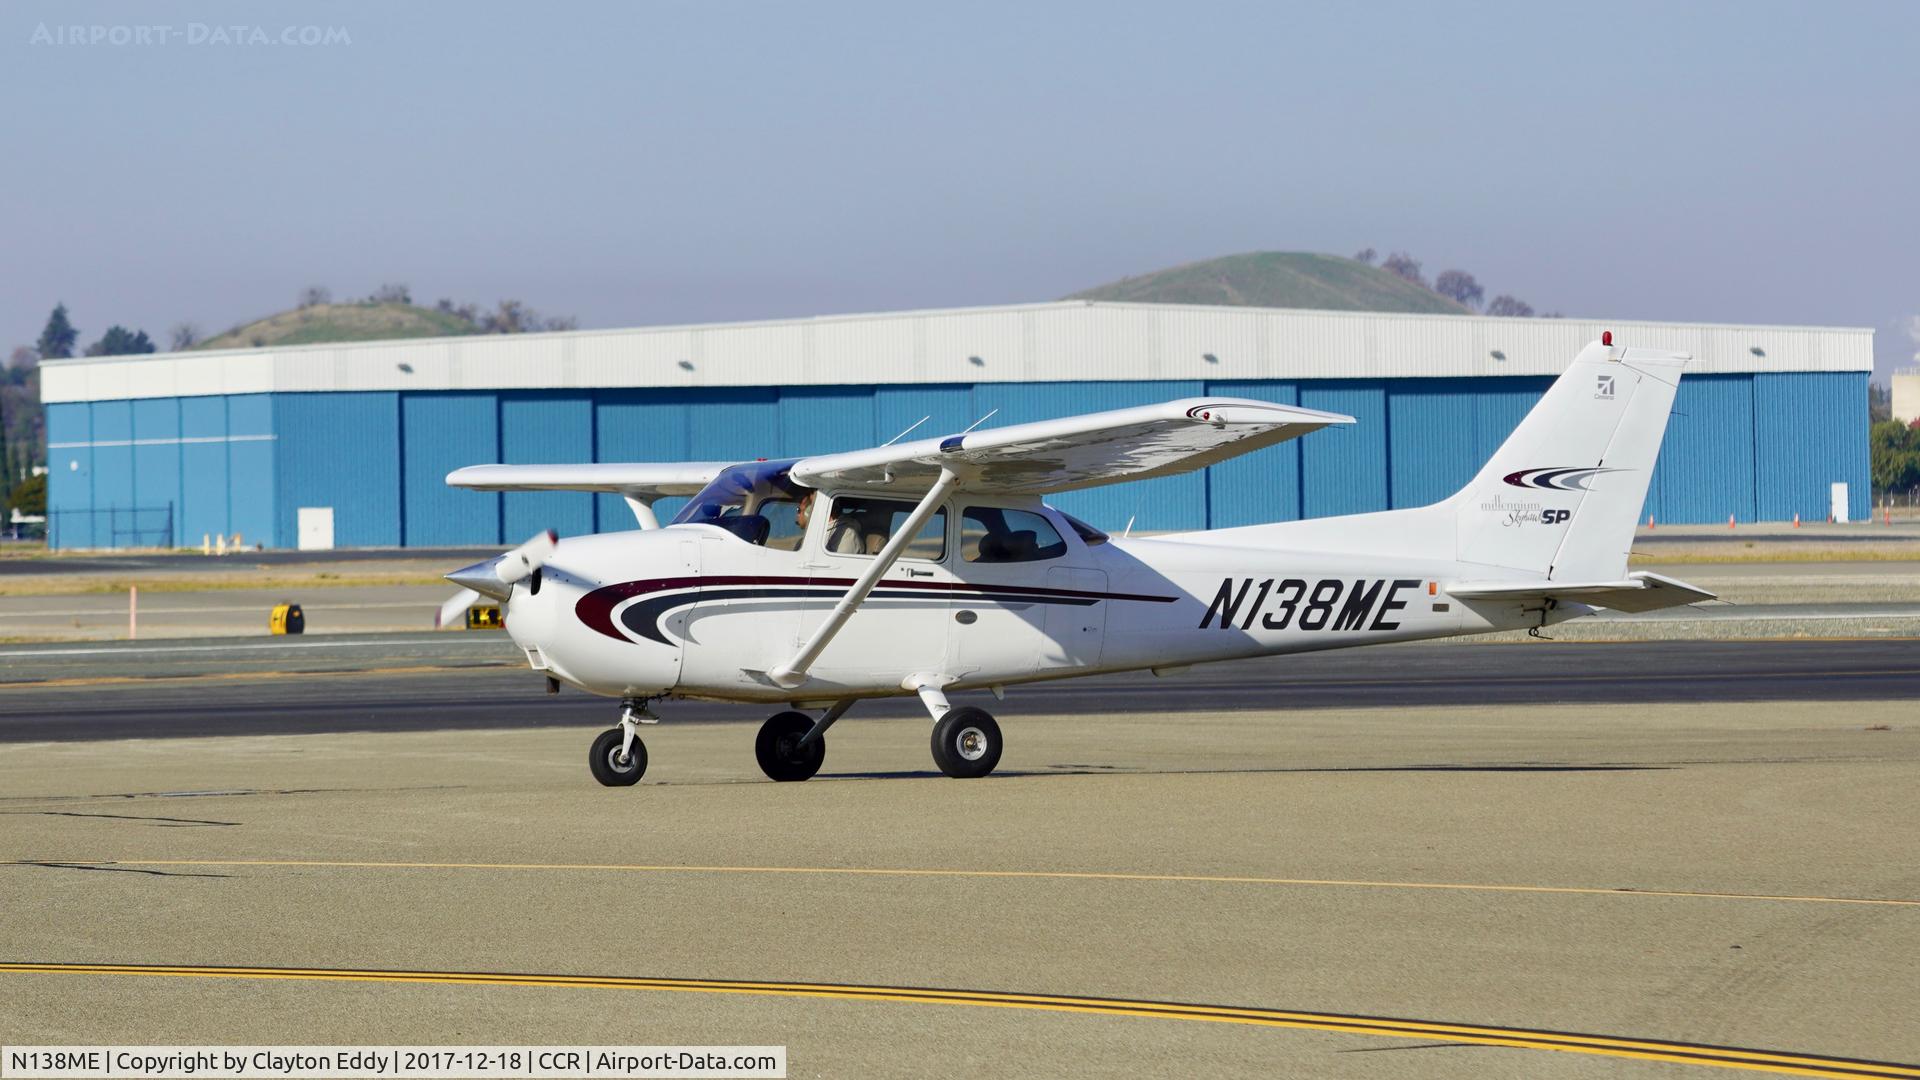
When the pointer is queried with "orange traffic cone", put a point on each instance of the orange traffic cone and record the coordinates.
(1649, 522)
(1729, 521)
(1796, 519)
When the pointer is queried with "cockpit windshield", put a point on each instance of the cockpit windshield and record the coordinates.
(758, 501)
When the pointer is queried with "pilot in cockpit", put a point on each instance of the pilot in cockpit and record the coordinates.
(844, 535)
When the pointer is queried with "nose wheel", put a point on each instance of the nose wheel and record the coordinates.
(785, 753)
(614, 763)
(618, 757)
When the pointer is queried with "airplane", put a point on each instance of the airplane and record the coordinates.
(935, 566)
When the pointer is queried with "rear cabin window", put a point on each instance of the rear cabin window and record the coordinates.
(861, 526)
(992, 534)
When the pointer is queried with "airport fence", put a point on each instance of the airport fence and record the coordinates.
(110, 527)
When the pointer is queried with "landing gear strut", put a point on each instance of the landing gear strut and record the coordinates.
(618, 757)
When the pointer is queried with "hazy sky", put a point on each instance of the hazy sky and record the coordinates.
(661, 162)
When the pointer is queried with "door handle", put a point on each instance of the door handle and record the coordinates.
(911, 572)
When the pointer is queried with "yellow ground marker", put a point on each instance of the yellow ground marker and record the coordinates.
(1383, 1027)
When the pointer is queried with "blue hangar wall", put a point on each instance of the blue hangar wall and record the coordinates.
(1756, 446)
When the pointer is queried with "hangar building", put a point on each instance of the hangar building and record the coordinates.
(347, 445)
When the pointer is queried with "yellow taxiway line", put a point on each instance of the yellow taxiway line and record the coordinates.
(939, 872)
(1384, 1027)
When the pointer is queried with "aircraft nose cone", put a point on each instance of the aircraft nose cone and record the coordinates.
(483, 577)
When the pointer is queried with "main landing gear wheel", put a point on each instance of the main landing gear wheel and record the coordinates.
(778, 747)
(610, 766)
(966, 742)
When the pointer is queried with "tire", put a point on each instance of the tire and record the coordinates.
(777, 747)
(604, 760)
(966, 743)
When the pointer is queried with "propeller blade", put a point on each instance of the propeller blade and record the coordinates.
(453, 614)
(497, 576)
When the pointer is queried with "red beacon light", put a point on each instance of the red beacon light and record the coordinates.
(1606, 337)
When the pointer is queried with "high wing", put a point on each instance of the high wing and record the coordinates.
(640, 482)
(647, 480)
(1078, 451)
(1642, 591)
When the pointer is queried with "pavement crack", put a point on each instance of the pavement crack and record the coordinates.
(1418, 1046)
(159, 822)
(112, 869)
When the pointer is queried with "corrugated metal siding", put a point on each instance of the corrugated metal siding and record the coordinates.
(70, 474)
(1735, 444)
(946, 408)
(826, 420)
(640, 425)
(545, 429)
(1810, 432)
(251, 506)
(1705, 471)
(1344, 470)
(441, 433)
(1431, 429)
(203, 468)
(343, 451)
(113, 487)
(156, 465)
(733, 424)
(1499, 406)
(1263, 486)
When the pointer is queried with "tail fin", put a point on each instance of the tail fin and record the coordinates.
(1562, 495)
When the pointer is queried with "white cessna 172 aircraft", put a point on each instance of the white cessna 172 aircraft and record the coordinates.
(933, 566)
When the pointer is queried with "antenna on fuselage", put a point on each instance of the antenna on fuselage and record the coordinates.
(980, 421)
(910, 427)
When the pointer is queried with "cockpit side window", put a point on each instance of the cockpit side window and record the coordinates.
(862, 526)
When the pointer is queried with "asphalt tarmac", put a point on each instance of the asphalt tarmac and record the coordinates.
(1581, 884)
(475, 681)
(125, 563)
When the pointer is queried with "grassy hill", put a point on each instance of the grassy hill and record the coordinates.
(341, 322)
(1282, 279)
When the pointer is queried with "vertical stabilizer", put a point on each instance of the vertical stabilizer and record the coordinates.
(1561, 496)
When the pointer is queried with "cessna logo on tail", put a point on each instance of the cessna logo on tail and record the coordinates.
(1555, 479)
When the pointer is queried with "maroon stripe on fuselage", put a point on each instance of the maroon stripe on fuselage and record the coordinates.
(596, 608)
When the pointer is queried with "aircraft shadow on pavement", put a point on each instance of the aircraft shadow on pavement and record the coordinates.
(1119, 770)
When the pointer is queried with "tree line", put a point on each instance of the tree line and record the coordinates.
(1456, 285)
(1896, 456)
(23, 437)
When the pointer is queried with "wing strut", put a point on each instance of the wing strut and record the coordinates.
(794, 672)
(642, 511)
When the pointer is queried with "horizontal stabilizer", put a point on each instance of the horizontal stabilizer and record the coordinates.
(1641, 591)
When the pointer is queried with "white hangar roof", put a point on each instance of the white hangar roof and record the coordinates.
(1066, 341)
